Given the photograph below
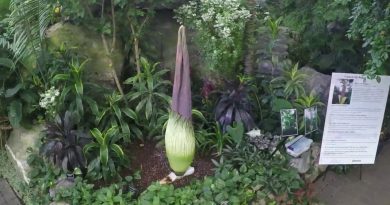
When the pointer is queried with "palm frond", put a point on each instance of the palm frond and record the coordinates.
(28, 22)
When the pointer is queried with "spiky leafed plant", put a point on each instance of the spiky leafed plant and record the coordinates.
(179, 135)
(63, 144)
(234, 106)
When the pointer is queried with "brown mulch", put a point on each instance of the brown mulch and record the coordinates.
(151, 161)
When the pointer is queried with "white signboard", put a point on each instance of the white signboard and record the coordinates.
(353, 119)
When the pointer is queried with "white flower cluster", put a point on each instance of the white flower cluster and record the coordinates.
(48, 98)
(219, 26)
(267, 16)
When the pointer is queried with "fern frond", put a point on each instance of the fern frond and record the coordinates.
(28, 22)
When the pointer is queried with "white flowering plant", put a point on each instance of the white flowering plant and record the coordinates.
(48, 101)
(219, 27)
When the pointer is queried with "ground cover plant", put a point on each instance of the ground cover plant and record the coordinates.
(111, 141)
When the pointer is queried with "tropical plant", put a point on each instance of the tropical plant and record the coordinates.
(292, 81)
(307, 101)
(107, 154)
(217, 140)
(219, 27)
(63, 144)
(370, 21)
(318, 31)
(27, 22)
(117, 114)
(150, 87)
(234, 106)
(75, 94)
(148, 94)
(179, 135)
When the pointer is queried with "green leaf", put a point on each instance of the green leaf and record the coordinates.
(279, 104)
(93, 105)
(12, 91)
(148, 108)
(141, 105)
(97, 135)
(87, 148)
(61, 77)
(6, 62)
(15, 113)
(237, 132)
(125, 127)
(104, 155)
(79, 105)
(130, 113)
(118, 112)
(199, 115)
(79, 87)
(118, 150)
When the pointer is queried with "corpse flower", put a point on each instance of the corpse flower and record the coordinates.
(179, 135)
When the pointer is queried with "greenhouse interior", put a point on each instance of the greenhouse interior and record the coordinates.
(206, 102)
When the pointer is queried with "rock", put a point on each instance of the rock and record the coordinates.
(19, 140)
(302, 163)
(316, 169)
(271, 55)
(307, 163)
(318, 82)
(90, 45)
(62, 184)
(164, 40)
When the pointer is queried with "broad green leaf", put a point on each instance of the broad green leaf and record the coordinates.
(117, 111)
(79, 105)
(104, 154)
(118, 150)
(79, 87)
(6, 62)
(87, 148)
(15, 113)
(280, 103)
(148, 108)
(141, 105)
(61, 77)
(110, 134)
(12, 91)
(93, 105)
(97, 135)
(199, 115)
(125, 127)
(167, 98)
(130, 113)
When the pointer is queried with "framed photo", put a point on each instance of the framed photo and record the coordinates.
(289, 122)
(342, 91)
(311, 120)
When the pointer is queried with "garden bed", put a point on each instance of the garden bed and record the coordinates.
(153, 165)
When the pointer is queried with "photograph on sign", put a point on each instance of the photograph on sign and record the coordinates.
(354, 117)
(342, 91)
(289, 122)
(310, 120)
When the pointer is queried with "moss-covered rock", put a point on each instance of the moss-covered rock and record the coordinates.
(90, 45)
(20, 139)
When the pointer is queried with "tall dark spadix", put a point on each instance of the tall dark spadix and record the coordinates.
(179, 135)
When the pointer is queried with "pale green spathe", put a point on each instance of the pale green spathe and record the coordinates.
(179, 143)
